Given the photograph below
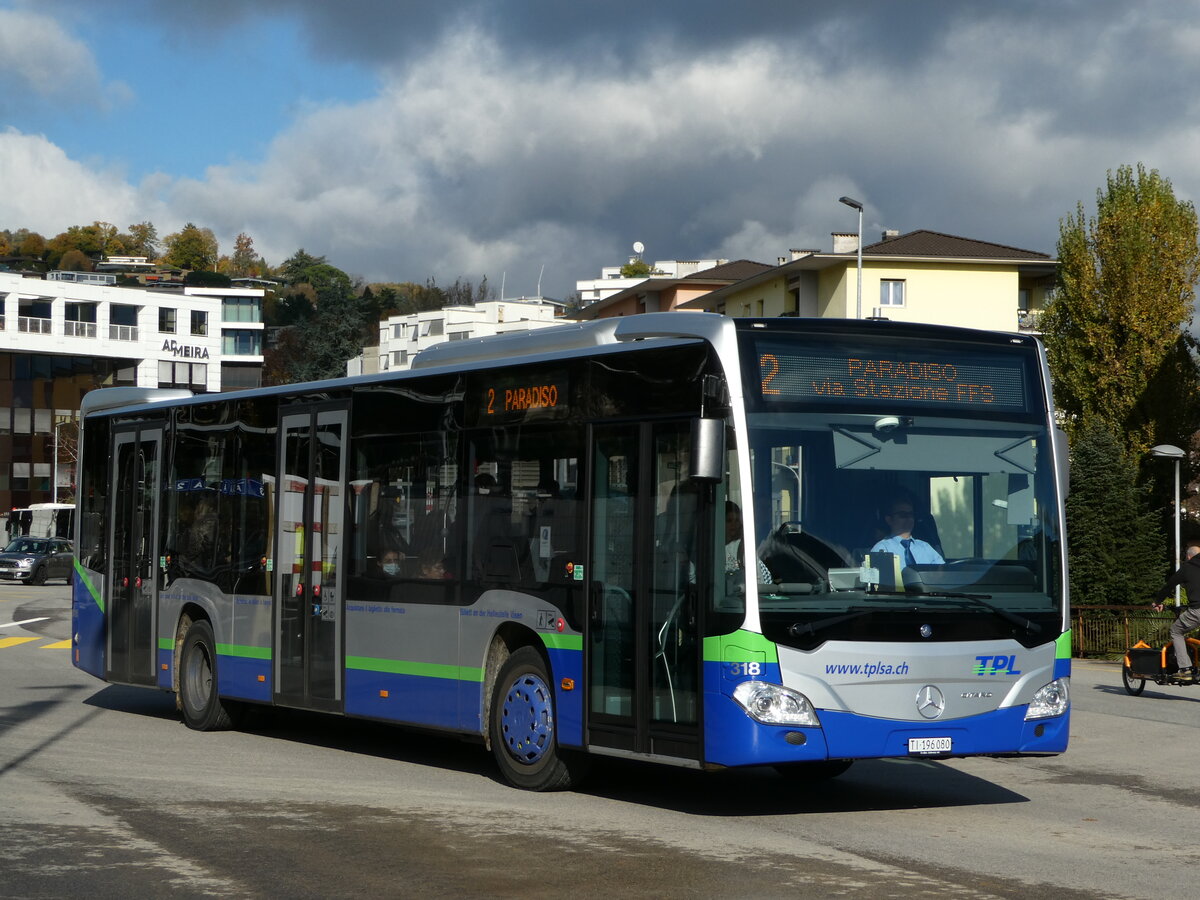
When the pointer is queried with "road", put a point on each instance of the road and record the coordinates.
(104, 793)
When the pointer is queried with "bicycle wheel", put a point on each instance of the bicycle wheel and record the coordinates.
(1133, 684)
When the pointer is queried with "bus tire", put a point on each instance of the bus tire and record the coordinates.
(818, 770)
(523, 735)
(202, 707)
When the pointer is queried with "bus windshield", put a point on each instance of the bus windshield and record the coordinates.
(884, 515)
(902, 490)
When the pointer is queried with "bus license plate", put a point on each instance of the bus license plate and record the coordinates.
(921, 746)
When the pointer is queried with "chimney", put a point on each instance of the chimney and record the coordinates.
(797, 254)
(845, 241)
(780, 260)
(890, 233)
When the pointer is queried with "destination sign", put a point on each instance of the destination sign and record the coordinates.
(952, 379)
(500, 397)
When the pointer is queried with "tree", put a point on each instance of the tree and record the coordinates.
(32, 245)
(636, 268)
(191, 248)
(1118, 321)
(1115, 543)
(142, 240)
(243, 262)
(75, 261)
(293, 268)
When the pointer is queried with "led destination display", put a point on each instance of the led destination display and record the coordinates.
(953, 379)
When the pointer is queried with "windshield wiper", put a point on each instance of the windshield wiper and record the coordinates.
(799, 629)
(980, 600)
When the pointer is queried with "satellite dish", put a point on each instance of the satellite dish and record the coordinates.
(638, 247)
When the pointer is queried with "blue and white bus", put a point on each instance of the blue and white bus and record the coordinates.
(656, 537)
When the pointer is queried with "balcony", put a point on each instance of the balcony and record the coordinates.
(122, 332)
(1027, 321)
(79, 329)
(33, 325)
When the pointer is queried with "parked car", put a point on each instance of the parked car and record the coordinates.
(35, 559)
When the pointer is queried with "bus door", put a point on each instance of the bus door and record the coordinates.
(309, 582)
(133, 552)
(647, 528)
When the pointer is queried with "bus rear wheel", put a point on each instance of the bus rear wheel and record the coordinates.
(201, 706)
(523, 736)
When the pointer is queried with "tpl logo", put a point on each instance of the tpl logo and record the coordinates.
(996, 665)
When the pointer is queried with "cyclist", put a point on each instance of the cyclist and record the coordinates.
(1188, 575)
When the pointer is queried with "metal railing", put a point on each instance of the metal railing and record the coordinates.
(122, 332)
(1106, 632)
(79, 329)
(33, 325)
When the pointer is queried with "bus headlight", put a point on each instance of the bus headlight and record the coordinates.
(773, 704)
(1051, 700)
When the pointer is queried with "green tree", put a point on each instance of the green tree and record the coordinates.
(1115, 543)
(142, 240)
(292, 269)
(636, 268)
(191, 248)
(1116, 329)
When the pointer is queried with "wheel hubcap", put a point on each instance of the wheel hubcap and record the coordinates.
(527, 719)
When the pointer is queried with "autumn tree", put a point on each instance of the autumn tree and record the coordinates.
(31, 244)
(75, 261)
(1116, 330)
(243, 262)
(191, 247)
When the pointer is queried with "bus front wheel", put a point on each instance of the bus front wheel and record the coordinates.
(523, 736)
(202, 707)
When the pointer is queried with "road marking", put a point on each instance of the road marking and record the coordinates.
(16, 642)
(24, 622)
(57, 645)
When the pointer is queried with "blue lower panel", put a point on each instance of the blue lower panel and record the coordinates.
(87, 622)
(732, 738)
(414, 699)
(238, 678)
(568, 704)
(1000, 731)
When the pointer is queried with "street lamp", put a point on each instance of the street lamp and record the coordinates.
(854, 204)
(1170, 451)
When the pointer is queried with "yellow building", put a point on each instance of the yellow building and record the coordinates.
(922, 276)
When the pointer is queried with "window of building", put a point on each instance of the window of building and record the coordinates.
(398, 331)
(199, 322)
(241, 309)
(239, 377)
(1023, 299)
(241, 343)
(459, 335)
(891, 292)
(166, 320)
(399, 357)
(193, 376)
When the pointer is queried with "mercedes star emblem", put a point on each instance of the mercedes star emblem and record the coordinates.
(930, 702)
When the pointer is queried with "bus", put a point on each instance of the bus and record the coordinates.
(660, 537)
(41, 520)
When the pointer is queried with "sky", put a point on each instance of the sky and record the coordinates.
(534, 142)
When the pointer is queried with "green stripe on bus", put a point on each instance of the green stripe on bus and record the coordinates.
(87, 583)
(563, 641)
(1062, 647)
(166, 643)
(741, 646)
(406, 667)
(244, 650)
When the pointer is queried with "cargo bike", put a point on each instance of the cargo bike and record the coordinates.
(1146, 663)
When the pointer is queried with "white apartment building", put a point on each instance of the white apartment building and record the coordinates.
(65, 335)
(610, 281)
(402, 337)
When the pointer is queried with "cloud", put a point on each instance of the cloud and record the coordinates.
(42, 62)
(43, 190)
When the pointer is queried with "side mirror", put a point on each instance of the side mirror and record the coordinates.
(708, 449)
